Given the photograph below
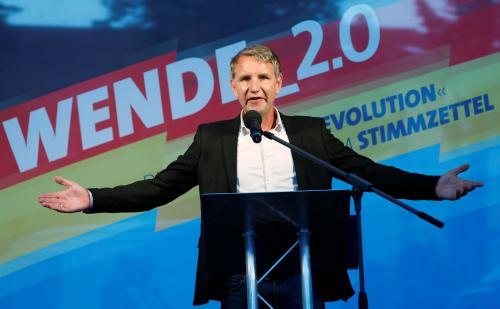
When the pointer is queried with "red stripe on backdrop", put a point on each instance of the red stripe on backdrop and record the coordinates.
(467, 36)
(9, 172)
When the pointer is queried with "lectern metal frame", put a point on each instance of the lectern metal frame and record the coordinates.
(300, 210)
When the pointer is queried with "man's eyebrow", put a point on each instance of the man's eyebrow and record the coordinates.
(243, 76)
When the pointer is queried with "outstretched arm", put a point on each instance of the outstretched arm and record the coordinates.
(74, 199)
(451, 187)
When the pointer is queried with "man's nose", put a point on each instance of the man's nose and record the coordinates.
(254, 85)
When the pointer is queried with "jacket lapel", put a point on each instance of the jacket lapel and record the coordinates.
(229, 149)
(293, 131)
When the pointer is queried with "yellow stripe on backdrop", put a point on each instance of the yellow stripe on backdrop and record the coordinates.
(460, 82)
(474, 77)
(27, 227)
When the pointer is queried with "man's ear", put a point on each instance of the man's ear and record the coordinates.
(233, 87)
(279, 83)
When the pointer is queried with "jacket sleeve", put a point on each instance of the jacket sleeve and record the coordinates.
(391, 180)
(176, 179)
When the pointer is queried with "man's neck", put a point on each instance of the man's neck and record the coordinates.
(269, 120)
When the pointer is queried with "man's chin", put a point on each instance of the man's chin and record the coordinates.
(261, 108)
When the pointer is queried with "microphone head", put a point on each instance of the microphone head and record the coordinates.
(251, 118)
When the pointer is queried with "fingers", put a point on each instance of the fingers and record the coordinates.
(50, 201)
(55, 205)
(471, 185)
(50, 195)
(49, 198)
(466, 187)
(462, 168)
(477, 183)
(63, 181)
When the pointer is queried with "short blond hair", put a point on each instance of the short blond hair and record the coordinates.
(261, 53)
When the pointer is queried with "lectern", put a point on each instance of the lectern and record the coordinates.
(256, 234)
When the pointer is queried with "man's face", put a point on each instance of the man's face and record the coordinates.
(255, 85)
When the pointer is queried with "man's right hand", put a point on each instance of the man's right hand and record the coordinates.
(74, 199)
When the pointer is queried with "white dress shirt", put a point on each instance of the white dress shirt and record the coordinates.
(265, 166)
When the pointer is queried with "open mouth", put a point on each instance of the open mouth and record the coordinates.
(254, 100)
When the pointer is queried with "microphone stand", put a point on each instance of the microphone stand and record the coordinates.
(359, 185)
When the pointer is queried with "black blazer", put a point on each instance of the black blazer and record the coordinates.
(210, 162)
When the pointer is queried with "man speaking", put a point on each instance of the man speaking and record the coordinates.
(224, 158)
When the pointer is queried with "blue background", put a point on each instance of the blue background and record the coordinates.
(128, 264)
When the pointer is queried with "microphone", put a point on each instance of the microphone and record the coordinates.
(252, 120)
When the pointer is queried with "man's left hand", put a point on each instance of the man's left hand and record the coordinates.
(450, 187)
